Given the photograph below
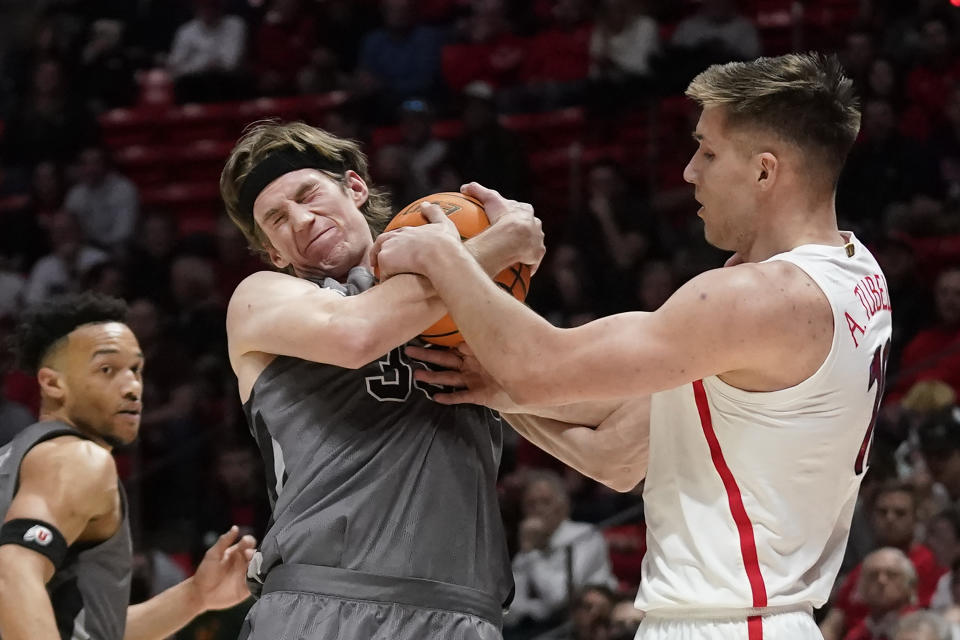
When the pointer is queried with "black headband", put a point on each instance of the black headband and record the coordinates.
(278, 163)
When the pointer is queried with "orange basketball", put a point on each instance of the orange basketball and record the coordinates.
(468, 215)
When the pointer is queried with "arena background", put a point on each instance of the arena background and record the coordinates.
(116, 117)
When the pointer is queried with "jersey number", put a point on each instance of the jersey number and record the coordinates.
(396, 381)
(878, 378)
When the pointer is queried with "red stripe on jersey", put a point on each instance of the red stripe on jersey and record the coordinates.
(754, 628)
(748, 545)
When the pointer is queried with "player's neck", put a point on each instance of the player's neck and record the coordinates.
(791, 225)
(59, 414)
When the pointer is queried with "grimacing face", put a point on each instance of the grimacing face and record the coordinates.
(313, 223)
(98, 377)
(723, 174)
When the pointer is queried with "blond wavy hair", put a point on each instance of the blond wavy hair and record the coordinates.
(804, 99)
(262, 139)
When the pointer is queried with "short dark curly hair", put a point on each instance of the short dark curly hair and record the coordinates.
(46, 323)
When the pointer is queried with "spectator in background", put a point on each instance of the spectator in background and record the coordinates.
(105, 203)
(929, 81)
(883, 82)
(614, 233)
(943, 537)
(883, 167)
(894, 519)
(486, 152)
(546, 535)
(25, 228)
(625, 619)
(197, 311)
(657, 282)
(940, 442)
(905, 287)
(590, 618)
(206, 55)
(14, 417)
(60, 270)
(415, 166)
(106, 72)
(234, 494)
(47, 124)
(720, 30)
(887, 586)
(857, 55)
(934, 353)
(282, 46)
(623, 41)
(151, 256)
(921, 625)
(565, 294)
(401, 59)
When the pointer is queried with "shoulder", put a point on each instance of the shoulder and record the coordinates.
(267, 284)
(757, 287)
(77, 464)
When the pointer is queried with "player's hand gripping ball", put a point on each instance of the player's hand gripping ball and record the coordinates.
(470, 219)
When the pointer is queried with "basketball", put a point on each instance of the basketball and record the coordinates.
(468, 215)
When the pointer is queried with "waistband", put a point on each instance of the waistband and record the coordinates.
(729, 614)
(356, 585)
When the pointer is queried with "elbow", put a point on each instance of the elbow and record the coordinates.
(357, 343)
(623, 474)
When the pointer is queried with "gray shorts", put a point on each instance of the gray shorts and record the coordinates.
(302, 602)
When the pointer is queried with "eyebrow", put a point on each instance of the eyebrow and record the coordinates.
(104, 352)
(301, 191)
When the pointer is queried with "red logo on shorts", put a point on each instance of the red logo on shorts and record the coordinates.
(39, 534)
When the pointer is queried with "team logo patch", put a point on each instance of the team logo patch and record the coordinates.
(39, 534)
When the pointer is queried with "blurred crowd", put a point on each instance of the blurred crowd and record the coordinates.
(572, 104)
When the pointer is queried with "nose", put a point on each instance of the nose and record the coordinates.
(133, 387)
(688, 172)
(300, 217)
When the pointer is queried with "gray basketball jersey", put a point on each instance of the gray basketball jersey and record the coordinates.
(366, 472)
(91, 589)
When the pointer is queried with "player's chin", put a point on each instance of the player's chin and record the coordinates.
(126, 428)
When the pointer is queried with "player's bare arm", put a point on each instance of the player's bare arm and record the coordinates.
(71, 485)
(219, 583)
(605, 440)
(761, 326)
(276, 314)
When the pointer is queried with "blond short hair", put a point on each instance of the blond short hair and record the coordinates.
(262, 139)
(804, 99)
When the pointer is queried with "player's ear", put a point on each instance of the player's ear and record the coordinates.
(52, 383)
(356, 188)
(766, 170)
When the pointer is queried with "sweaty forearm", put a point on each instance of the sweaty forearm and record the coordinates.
(163, 615)
(25, 609)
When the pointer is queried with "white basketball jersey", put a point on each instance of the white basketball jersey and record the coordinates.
(749, 496)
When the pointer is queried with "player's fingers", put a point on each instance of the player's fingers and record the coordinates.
(432, 212)
(224, 541)
(441, 357)
(480, 192)
(464, 349)
(444, 378)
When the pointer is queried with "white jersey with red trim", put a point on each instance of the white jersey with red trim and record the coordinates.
(749, 495)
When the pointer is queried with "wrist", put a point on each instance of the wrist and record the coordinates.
(195, 600)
